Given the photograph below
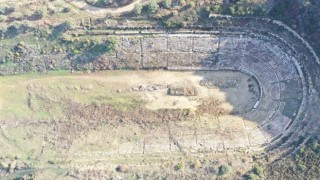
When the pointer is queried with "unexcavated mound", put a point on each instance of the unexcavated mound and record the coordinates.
(182, 90)
(108, 114)
(81, 119)
(213, 107)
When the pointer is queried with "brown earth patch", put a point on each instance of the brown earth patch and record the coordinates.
(84, 118)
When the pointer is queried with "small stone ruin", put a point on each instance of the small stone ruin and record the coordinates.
(181, 90)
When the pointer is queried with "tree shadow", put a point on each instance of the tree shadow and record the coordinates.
(59, 30)
(88, 56)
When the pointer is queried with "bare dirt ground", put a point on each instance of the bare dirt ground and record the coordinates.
(103, 11)
(161, 100)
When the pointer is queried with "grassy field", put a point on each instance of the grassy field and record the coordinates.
(22, 96)
(30, 103)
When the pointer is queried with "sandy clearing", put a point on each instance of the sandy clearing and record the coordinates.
(104, 11)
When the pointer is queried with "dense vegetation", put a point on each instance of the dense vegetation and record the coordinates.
(303, 16)
(305, 164)
(108, 3)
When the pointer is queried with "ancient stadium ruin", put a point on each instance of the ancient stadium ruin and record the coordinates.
(240, 87)
(280, 80)
(271, 65)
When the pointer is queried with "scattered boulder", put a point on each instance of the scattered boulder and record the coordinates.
(121, 168)
(197, 164)
(143, 87)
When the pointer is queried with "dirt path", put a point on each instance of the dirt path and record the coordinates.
(81, 4)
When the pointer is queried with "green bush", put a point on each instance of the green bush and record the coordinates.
(137, 9)
(68, 25)
(3, 29)
(258, 171)
(175, 13)
(172, 24)
(301, 150)
(241, 10)
(191, 4)
(15, 27)
(216, 9)
(99, 3)
(41, 12)
(3, 18)
(76, 52)
(224, 169)
(252, 176)
(4, 10)
(178, 167)
(113, 43)
(66, 10)
(166, 3)
(4, 165)
(182, 2)
(302, 167)
(207, 9)
(152, 6)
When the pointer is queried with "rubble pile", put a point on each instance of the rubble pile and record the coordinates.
(144, 87)
(176, 90)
